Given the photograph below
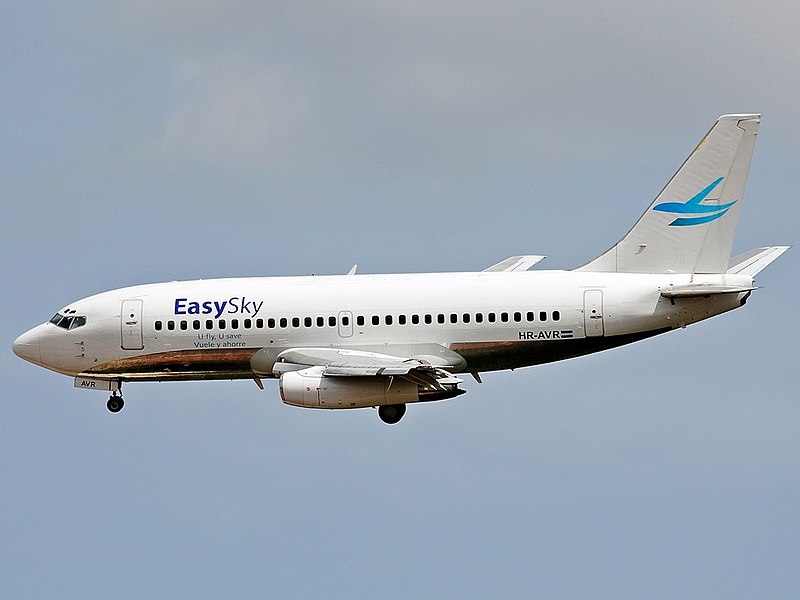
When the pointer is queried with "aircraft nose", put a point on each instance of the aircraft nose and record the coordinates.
(27, 346)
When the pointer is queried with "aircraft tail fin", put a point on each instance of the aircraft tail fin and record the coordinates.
(689, 227)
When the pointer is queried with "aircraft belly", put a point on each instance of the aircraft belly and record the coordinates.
(494, 356)
(207, 363)
(235, 363)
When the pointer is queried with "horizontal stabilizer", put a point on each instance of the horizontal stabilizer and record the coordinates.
(701, 290)
(752, 262)
(516, 263)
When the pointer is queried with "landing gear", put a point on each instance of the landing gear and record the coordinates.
(390, 413)
(115, 403)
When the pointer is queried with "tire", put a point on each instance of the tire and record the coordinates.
(391, 413)
(115, 404)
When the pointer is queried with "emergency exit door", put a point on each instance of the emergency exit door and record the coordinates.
(345, 324)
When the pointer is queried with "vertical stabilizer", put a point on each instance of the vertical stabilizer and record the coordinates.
(689, 227)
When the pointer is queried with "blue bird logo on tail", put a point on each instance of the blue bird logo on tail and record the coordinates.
(706, 212)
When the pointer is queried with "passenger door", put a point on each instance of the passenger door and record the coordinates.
(593, 313)
(130, 320)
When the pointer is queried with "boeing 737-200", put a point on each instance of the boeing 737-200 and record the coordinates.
(353, 341)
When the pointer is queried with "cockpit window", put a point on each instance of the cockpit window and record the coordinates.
(68, 322)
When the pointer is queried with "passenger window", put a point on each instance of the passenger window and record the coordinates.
(388, 319)
(440, 319)
(466, 317)
(184, 325)
(415, 319)
(195, 324)
(284, 322)
(270, 323)
(543, 316)
(221, 323)
(308, 321)
(479, 317)
(530, 316)
(491, 317)
(428, 319)
(295, 321)
(517, 317)
(376, 320)
(401, 319)
(346, 321)
(209, 324)
(171, 325)
(360, 320)
(331, 321)
(556, 315)
(504, 317)
(248, 323)
(234, 323)
(158, 325)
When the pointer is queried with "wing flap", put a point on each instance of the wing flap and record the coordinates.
(346, 370)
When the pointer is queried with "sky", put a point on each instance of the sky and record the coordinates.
(170, 140)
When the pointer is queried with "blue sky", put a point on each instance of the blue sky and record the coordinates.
(170, 140)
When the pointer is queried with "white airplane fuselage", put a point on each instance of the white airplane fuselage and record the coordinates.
(212, 329)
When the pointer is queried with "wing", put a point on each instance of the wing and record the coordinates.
(516, 263)
(346, 362)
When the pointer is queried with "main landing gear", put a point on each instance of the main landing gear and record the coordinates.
(115, 402)
(390, 413)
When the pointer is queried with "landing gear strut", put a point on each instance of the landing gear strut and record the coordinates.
(390, 413)
(115, 402)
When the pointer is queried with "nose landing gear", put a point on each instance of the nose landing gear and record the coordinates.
(115, 402)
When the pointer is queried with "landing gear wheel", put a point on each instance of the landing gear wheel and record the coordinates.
(115, 404)
(391, 413)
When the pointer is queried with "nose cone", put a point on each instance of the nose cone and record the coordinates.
(27, 346)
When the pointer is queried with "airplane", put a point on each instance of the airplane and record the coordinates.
(386, 341)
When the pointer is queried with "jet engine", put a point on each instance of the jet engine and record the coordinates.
(308, 388)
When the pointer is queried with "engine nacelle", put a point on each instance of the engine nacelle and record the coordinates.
(309, 389)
